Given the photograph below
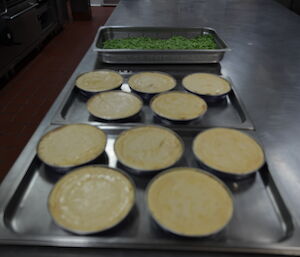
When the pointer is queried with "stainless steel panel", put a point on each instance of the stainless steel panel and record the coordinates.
(157, 56)
(261, 221)
(265, 74)
(229, 112)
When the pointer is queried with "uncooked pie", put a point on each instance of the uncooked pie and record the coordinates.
(151, 82)
(91, 199)
(148, 148)
(178, 106)
(71, 145)
(189, 202)
(228, 150)
(99, 81)
(114, 105)
(206, 84)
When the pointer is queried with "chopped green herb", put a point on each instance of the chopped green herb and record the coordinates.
(176, 42)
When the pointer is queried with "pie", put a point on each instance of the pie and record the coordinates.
(228, 150)
(151, 82)
(114, 105)
(91, 199)
(148, 148)
(71, 145)
(206, 84)
(98, 81)
(189, 202)
(178, 106)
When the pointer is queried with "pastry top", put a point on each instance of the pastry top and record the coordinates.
(148, 148)
(178, 106)
(91, 199)
(98, 81)
(189, 202)
(228, 150)
(71, 145)
(114, 105)
(151, 82)
(206, 84)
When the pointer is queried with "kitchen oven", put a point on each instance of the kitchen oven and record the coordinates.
(23, 25)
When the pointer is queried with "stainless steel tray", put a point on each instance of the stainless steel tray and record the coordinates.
(227, 113)
(157, 56)
(261, 222)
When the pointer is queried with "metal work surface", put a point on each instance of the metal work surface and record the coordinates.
(264, 67)
(27, 221)
(154, 56)
(228, 112)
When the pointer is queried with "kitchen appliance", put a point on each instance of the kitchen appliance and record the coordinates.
(23, 26)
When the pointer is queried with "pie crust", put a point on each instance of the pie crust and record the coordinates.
(228, 150)
(148, 148)
(71, 145)
(178, 106)
(114, 105)
(98, 81)
(91, 199)
(151, 82)
(206, 84)
(189, 202)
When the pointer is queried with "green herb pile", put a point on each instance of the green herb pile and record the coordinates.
(176, 42)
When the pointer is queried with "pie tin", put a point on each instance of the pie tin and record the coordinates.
(224, 174)
(88, 93)
(148, 172)
(145, 95)
(210, 98)
(78, 232)
(123, 119)
(67, 168)
(165, 228)
(175, 120)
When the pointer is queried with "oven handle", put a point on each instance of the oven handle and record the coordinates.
(21, 12)
(5, 8)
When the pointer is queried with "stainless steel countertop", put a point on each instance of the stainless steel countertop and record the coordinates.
(263, 64)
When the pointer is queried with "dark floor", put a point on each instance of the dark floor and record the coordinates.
(29, 95)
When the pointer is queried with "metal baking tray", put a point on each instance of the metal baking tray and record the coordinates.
(261, 222)
(227, 113)
(156, 56)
